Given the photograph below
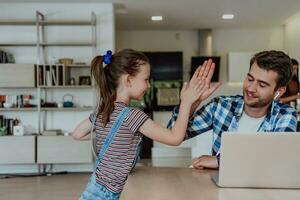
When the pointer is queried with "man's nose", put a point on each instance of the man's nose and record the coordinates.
(252, 87)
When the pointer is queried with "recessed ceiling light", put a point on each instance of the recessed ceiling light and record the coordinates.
(156, 18)
(228, 16)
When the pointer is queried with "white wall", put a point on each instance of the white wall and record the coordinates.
(292, 39)
(224, 41)
(245, 40)
(168, 40)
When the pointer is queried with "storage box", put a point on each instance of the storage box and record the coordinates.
(168, 96)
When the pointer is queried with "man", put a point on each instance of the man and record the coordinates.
(258, 109)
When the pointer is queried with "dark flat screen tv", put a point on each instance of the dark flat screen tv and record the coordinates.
(199, 60)
(165, 65)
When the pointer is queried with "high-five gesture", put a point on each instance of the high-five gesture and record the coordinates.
(205, 72)
(191, 92)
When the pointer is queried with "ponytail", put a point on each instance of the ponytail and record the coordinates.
(106, 90)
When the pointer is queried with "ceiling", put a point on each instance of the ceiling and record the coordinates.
(196, 14)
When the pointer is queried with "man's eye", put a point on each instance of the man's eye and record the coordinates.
(262, 85)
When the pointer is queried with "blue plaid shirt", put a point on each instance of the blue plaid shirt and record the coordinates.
(223, 113)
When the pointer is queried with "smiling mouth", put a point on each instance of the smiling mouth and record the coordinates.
(249, 94)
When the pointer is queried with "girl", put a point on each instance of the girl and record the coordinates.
(119, 128)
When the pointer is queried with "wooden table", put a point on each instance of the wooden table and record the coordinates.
(156, 183)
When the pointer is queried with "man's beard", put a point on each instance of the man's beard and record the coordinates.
(257, 102)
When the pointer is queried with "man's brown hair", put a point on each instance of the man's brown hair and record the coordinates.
(276, 61)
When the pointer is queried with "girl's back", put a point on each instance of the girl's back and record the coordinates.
(117, 161)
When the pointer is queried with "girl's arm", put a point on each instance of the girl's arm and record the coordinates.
(174, 136)
(188, 95)
(82, 130)
(289, 98)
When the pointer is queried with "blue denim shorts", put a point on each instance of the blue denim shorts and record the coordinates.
(96, 191)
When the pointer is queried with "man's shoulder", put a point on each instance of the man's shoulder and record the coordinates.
(283, 108)
(286, 117)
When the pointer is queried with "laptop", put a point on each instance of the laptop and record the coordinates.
(259, 160)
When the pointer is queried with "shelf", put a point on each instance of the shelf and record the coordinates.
(46, 109)
(67, 23)
(46, 22)
(18, 44)
(50, 80)
(68, 109)
(18, 109)
(67, 87)
(61, 44)
(18, 87)
(18, 22)
(54, 44)
(78, 65)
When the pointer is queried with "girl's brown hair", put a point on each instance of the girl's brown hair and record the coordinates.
(126, 61)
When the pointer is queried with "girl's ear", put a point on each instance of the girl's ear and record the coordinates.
(126, 80)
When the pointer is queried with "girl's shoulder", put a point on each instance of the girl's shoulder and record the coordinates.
(135, 118)
(135, 112)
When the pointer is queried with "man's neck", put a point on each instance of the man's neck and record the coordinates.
(256, 112)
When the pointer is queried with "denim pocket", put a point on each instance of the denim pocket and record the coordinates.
(95, 191)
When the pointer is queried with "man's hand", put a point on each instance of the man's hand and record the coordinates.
(205, 72)
(205, 161)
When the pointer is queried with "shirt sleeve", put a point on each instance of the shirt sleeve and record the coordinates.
(135, 119)
(287, 121)
(201, 120)
(92, 116)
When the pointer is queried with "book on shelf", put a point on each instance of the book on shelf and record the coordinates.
(44, 73)
(60, 75)
(40, 75)
(54, 77)
(48, 78)
(50, 75)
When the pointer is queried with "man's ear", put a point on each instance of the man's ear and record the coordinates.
(280, 91)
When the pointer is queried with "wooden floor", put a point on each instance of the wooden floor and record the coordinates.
(145, 183)
(70, 186)
(64, 187)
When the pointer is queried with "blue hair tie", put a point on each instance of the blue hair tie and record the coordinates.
(107, 57)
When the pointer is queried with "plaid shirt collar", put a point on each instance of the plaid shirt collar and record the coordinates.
(238, 111)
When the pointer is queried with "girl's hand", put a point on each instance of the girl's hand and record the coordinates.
(192, 91)
(205, 71)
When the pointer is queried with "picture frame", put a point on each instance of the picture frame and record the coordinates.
(85, 80)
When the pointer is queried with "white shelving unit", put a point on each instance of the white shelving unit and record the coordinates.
(45, 91)
(18, 109)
